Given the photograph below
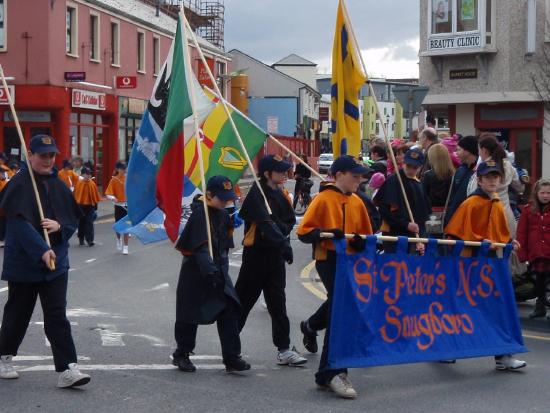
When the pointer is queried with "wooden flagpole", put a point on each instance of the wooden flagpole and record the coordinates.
(386, 137)
(226, 109)
(330, 235)
(198, 136)
(24, 150)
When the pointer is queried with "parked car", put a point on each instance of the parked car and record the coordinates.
(325, 162)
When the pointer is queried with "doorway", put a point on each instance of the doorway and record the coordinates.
(12, 144)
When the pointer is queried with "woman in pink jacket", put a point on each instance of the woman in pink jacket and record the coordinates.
(533, 234)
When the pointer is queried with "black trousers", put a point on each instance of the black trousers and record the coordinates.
(228, 331)
(264, 270)
(321, 318)
(540, 285)
(18, 311)
(86, 224)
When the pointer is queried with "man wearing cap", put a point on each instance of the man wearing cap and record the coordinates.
(34, 269)
(467, 151)
(337, 210)
(481, 217)
(116, 192)
(205, 293)
(266, 248)
(391, 202)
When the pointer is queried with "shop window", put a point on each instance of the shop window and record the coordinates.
(115, 43)
(141, 52)
(459, 24)
(71, 46)
(3, 25)
(220, 73)
(156, 55)
(94, 37)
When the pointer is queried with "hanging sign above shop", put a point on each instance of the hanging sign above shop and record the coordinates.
(75, 76)
(469, 41)
(4, 95)
(85, 99)
(126, 82)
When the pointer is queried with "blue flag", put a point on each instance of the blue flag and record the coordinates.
(400, 308)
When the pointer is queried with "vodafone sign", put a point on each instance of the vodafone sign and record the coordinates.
(4, 96)
(126, 82)
(88, 100)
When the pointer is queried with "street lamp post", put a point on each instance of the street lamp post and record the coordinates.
(388, 124)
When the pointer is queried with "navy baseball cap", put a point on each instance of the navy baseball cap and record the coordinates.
(120, 165)
(43, 144)
(86, 171)
(273, 163)
(485, 168)
(67, 163)
(347, 163)
(221, 187)
(414, 157)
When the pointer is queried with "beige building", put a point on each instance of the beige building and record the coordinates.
(479, 57)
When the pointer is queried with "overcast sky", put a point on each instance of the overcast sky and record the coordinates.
(387, 32)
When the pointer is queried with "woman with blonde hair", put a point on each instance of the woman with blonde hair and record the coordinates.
(437, 180)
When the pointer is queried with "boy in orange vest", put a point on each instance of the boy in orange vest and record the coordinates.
(67, 175)
(116, 192)
(86, 196)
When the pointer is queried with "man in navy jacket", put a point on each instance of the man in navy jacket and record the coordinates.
(34, 269)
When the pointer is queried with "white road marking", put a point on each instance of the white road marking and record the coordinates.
(159, 287)
(47, 342)
(234, 264)
(157, 342)
(41, 323)
(109, 336)
(111, 367)
(3, 289)
(90, 260)
(205, 357)
(238, 252)
(89, 312)
(42, 358)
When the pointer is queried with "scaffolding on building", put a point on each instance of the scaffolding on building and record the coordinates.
(206, 17)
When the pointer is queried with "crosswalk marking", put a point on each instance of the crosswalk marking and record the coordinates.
(109, 336)
(112, 367)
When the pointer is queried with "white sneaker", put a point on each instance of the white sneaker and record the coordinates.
(290, 358)
(509, 363)
(119, 244)
(341, 385)
(7, 371)
(72, 377)
(125, 249)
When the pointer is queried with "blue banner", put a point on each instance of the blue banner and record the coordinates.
(400, 308)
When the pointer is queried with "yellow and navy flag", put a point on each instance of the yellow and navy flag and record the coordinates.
(347, 79)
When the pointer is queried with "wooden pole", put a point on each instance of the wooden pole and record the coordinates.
(313, 171)
(198, 136)
(386, 137)
(24, 150)
(226, 109)
(329, 235)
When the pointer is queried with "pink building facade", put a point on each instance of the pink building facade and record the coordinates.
(83, 71)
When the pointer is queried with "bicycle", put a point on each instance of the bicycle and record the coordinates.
(303, 197)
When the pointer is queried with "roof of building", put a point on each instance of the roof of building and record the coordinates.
(278, 72)
(145, 14)
(293, 60)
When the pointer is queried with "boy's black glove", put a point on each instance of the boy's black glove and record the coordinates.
(338, 233)
(287, 254)
(357, 243)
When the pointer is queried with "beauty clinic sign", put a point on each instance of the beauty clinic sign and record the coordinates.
(460, 42)
(85, 99)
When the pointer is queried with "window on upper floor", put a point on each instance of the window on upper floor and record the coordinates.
(71, 44)
(94, 37)
(115, 43)
(156, 55)
(141, 51)
(220, 70)
(3, 25)
(460, 24)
